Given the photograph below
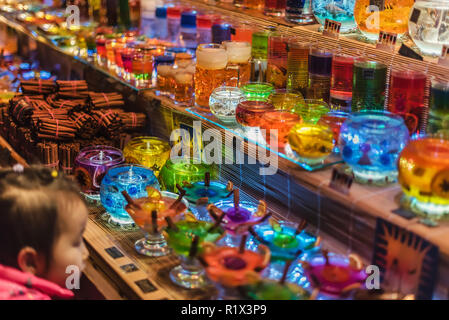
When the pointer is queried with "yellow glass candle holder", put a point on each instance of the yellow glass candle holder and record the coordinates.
(424, 175)
(281, 99)
(310, 143)
(150, 152)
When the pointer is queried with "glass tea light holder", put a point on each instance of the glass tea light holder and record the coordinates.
(320, 69)
(257, 91)
(223, 102)
(277, 125)
(342, 79)
(406, 95)
(91, 165)
(150, 213)
(133, 179)
(298, 67)
(183, 91)
(151, 152)
(425, 28)
(424, 176)
(249, 115)
(392, 17)
(333, 273)
(282, 99)
(369, 85)
(370, 143)
(277, 60)
(185, 171)
(239, 216)
(238, 68)
(186, 238)
(210, 73)
(207, 191)
(334, 120)
(233, 267)
(438, 121)
(310, 143)
(336, 10)
(285, 240)
(311, 110)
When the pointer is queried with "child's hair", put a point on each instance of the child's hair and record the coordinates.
(30, 200)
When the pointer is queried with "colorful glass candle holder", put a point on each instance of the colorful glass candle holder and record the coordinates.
(406, 97)
(311, 110)
(186, 238)
(249, 113)
(281, 99)
(231, 267)
(277, 124)
(223, 102)
(334, 120)
(91, 165)
(238, 216)
(285, 239)
(370, 143)
(257, 91)
(338, 10)
(205, 192)
(334, 274)
(150, 214)
(423, 175)
(132, 178)
(267, 289)
(173, 173)
(342, 80)
(439, 107)
(310, 143)
(277, 60)
(369, 85)
(150, 152)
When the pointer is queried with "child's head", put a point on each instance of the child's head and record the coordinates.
(42, 220)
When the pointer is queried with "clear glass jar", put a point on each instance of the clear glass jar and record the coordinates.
(428, 26)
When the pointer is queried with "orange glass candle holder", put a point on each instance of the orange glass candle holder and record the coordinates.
(277, 124)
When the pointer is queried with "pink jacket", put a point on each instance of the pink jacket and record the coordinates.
(18, 285)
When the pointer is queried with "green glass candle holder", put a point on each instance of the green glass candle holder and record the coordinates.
(184, 172)
(257, 91)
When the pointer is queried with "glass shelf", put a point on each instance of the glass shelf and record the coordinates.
(256, 138)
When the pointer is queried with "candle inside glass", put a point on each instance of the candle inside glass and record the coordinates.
(439, 107)
(249, 113)
(257, 91)
(406, 98)
(298, 67)
(277, 61)
(370, 80)
(223, 102)
(341, 82)
(238, 69)
(277, 125)
(320, 69)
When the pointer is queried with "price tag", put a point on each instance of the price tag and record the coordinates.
(341, 181)
(386, 41)
(331, 28)
(407, 52)
(444, 59)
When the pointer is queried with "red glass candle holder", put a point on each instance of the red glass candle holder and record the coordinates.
(249, 113)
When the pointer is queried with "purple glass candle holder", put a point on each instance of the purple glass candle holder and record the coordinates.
(91, 165)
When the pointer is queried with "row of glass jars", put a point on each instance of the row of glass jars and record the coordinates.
(425, 20)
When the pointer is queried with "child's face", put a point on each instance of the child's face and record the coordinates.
(69, 248)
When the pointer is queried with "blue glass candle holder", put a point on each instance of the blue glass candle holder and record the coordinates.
(133, 179)
(370, 143)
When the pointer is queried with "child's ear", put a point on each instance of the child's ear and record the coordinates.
(30, 261)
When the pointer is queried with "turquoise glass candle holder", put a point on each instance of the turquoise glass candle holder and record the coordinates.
(370, 143)
(130, 178)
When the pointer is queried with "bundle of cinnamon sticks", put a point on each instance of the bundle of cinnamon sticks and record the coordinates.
(48, 154)
(133, 121)
(55, 129)
(67, 154)
(38, 86)
(72, 104)
(109, 122)
(21, 109)
(86, 125)
(76, 89)
(101, 100)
